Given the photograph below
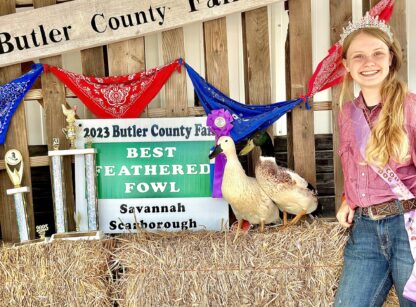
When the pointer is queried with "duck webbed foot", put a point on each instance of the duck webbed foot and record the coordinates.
(297, 217)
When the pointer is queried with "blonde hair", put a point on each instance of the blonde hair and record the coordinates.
(388, 138)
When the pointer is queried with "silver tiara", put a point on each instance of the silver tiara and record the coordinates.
(367, 21)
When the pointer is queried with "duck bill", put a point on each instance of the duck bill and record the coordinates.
(249, 147)
(216, 152)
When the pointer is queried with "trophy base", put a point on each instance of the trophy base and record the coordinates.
(78, 235)
(30, 242)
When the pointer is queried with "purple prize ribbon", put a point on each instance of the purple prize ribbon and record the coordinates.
(219, 122)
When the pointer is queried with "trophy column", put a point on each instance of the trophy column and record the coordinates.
(59, 186)
(92, 201)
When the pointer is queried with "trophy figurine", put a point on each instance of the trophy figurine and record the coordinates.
(14, 167)
(70, 130)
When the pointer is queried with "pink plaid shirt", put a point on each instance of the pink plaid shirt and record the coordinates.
(362, 186)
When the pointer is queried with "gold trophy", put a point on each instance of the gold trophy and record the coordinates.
(70, 130)
(14, 167)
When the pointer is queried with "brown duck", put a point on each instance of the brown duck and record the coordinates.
(291, 193)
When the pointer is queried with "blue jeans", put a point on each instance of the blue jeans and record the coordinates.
(376, 257)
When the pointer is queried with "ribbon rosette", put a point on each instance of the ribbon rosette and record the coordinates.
(219, 122)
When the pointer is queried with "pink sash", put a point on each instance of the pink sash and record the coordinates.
(362, 133)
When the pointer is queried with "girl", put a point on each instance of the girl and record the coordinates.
(377, 148)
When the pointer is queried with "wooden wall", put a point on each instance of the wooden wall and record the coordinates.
(128, 56)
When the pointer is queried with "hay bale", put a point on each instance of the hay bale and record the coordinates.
(63, 273)
(291, 267)
(298, 266)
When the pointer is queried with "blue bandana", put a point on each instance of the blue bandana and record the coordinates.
(11, 94)
(247, 118)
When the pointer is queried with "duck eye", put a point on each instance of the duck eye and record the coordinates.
(226, 141)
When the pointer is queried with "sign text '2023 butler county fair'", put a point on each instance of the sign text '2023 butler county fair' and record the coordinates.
(134, 131)
(42, 35)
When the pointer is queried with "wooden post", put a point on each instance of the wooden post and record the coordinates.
(16, 139)
(127, 57)
(173, 48)
(398, 25)
(216, 54)
(53, 98)
(92, 61)
(256, 64)
(340, 14)
(300, 70)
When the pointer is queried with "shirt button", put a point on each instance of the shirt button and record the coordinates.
(362, 174)
(363, 194)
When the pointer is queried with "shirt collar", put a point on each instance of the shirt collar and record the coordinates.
(359, 102)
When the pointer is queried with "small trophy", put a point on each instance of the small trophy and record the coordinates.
(70, 130)
(87, 158)
(14, 167)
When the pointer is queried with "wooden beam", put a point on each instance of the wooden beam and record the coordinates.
(302, 120)
(33, 161)
(53, 98)
(398, 25)
(83, 24)
(175, 87)
(127, 57)
(30, 2)
(216, 54)
(92, 61)
(340, 14)
(16, 139)
(257, 64)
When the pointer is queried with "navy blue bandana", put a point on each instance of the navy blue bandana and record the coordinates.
(12, 93)
(247, 118)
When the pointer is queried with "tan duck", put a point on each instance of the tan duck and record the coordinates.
(247, 200)
(288, 190)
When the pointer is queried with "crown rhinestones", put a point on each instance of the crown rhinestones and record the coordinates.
(367, 21)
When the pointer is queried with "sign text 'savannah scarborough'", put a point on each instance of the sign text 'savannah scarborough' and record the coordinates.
(152, 175)
(84, 24)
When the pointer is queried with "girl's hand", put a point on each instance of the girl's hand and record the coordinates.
(345, 215)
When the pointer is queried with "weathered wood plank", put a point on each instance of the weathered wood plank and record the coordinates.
(53, 98)
(127, 57)
(30, 2)
(92, 61)
(93, 23)
(216, 54)
(16, 139)
(398, 25)
(257, 64)
(302, 120)
(175, 88)
(340, 14)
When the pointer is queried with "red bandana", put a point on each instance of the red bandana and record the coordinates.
(118, 96)
(330, 70)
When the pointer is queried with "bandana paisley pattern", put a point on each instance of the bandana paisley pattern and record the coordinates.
(123, 96)
(11, 94)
